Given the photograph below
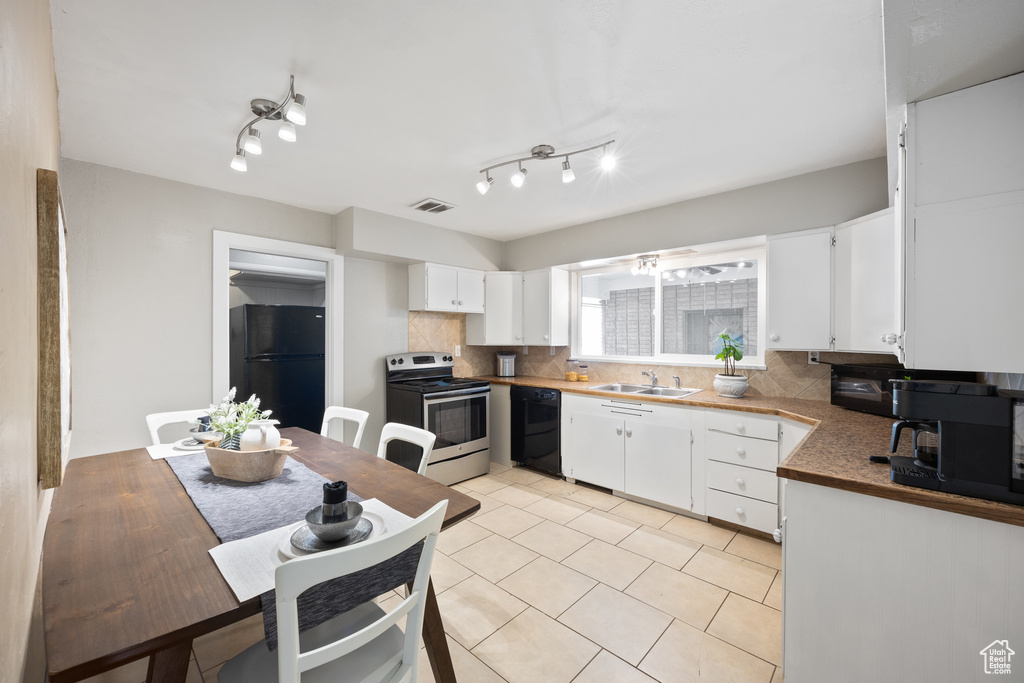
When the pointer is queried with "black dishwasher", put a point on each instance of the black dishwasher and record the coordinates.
(536, 428)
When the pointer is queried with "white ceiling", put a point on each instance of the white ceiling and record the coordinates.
(408, 100)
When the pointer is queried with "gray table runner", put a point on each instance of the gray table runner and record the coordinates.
(235, 510)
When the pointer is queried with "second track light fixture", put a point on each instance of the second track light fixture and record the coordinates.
(291, 112)
(545, 152)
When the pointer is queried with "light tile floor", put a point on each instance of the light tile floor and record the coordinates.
(553, 582)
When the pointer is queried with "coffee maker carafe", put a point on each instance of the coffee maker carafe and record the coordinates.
(963, 438)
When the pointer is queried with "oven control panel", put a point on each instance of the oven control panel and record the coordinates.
(420, 360)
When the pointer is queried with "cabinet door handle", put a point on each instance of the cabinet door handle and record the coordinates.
(618, 430)
(774, 337)
(739, 481)
(629, 432)
(739, 511)
(454, 302)
(740, 452)
(545, 337)
(460, 303)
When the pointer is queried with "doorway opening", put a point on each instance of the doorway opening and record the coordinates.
(277, 329)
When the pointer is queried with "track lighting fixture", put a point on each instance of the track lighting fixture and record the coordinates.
(290, 112)
(545, 152)
(485, 184)
(252, 142)
(519, 177)
(567, 175)
(645, 264)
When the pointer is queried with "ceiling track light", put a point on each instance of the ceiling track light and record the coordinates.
(645, 264)
(545, 152)
(290, 112)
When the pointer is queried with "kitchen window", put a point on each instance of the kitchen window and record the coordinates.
(673, 314)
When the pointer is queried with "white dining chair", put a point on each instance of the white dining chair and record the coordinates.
(346, 415)
(157, 420)
(413, 435)
(363, 644)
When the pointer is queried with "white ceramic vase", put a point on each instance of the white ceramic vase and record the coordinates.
(731, 386)
(260, 435)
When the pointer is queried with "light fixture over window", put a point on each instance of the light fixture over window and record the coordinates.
(645, 264)
(290, 112)
(545, 152)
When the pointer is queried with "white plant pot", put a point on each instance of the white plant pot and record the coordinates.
(732, 386)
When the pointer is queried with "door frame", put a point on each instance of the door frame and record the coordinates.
(223, 243)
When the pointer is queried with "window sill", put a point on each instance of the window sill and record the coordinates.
(757, 363)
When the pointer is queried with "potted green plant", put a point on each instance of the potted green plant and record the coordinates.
(729, 383)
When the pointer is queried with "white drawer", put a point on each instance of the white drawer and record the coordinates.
(739, 450)
(744, 424)
(753, 514)
(743, 481)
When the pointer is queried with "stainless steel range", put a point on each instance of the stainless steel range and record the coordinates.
(422, 392)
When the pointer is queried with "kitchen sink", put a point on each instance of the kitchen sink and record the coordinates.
(668, 392)
(621, 388)
(641, 390)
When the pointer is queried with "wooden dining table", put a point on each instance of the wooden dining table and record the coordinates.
(126, 568)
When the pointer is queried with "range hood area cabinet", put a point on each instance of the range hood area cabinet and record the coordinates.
(837, 288)
(523, 309)
(434, 287)
(965, 229)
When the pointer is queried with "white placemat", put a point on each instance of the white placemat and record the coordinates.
(248, 564)
(168, 450)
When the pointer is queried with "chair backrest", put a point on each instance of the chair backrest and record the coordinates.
(414, 435)
(157, 420)
(300, 574)
(350, 414)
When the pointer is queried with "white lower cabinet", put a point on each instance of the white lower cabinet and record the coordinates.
(639, 449)
(743, 452)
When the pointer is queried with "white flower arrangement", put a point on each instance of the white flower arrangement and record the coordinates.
(230, 419)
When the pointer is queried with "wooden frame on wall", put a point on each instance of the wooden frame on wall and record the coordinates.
(54, 391)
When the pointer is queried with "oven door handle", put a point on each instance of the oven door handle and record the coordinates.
(442, 395)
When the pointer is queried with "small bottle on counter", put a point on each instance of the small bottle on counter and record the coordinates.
(583, 373)
(571, 370)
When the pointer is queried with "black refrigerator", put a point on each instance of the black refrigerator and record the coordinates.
(277, 353)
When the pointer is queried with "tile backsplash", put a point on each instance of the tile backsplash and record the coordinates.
(787, 373)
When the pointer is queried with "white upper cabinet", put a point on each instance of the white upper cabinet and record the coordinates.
(434, 287)
(965, 229)
(868, 287)
(546, 307)
(800, 291)
(502, 323)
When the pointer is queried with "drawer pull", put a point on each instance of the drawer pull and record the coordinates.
(740, 452)
(739, 480)
(740, 427)
(739, 511)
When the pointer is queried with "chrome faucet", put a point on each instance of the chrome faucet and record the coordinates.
(650, 373)
(676, 378)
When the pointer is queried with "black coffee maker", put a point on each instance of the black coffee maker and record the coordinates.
(973, 451)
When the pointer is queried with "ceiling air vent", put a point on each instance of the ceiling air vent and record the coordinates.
(433, 206)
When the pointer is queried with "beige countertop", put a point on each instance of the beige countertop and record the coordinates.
(835, 452)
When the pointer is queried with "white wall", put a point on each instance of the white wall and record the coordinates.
(368, 234)
(29, 140)
(806, 201)
(140, 258)
(376, 325)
